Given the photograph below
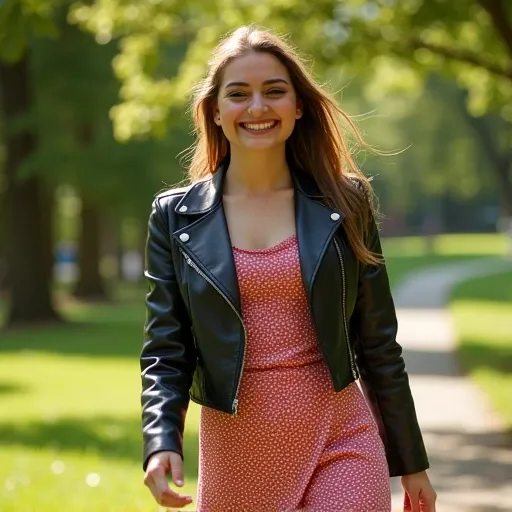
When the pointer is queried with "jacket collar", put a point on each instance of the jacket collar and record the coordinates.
(207, 242)
(206, 194)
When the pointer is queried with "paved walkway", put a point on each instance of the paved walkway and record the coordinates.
(470, 456)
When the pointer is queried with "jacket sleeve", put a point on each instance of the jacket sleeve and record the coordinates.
(383, 367)
(168, 357)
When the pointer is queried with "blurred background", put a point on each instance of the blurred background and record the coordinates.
(93, 123)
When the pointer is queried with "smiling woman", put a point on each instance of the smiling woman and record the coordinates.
(268, 300)
(258, 106)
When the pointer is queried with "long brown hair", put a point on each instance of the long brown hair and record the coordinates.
(316, 146)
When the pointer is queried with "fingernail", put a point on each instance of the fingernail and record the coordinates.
(179, 482)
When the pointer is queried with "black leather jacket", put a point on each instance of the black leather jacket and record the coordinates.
(194, 335)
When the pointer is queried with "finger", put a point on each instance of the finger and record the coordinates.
(407, 503)
(156, 481)
(160, 481)
(173, 499)
(428, 501)
(414, 498)
(176, 468)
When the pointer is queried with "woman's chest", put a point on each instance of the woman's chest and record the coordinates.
(260, 223)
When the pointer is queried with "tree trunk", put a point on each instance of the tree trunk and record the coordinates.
(3, 245)
(90, 282)
(500, 161)
(26, 247)
(110, 241)
(46, 226)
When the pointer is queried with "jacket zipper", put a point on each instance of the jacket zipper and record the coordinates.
(192, 264)
(343, 298)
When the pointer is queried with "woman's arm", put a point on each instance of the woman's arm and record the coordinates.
(383, 367)
(168, 355)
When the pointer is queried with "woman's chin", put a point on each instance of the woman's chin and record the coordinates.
(261, 145)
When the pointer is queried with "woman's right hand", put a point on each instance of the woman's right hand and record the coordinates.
(159, 466)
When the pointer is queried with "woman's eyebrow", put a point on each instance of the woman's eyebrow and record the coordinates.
(270, 81)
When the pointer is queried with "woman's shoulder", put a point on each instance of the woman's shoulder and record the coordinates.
(171, 195)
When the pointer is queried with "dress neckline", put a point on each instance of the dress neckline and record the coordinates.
(274, 248)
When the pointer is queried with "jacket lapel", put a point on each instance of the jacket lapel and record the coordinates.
(206, 238)
(316, 226)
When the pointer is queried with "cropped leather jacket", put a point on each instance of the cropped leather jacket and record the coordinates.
(194, 336)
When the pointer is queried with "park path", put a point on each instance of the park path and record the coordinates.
(471, 457)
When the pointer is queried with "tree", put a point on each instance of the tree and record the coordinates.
(394, 43)
(29, 282)
(28, 278)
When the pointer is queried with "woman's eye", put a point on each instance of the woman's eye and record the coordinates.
(236, 94)
(275, 91)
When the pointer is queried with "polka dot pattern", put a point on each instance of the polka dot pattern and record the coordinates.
(295, 443)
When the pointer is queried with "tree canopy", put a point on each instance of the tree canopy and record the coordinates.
(394, 42)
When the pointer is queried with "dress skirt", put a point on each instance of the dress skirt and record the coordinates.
(295, 443)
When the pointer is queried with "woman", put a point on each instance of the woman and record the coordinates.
(268, 299)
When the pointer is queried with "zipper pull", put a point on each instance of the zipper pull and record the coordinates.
(235, 407)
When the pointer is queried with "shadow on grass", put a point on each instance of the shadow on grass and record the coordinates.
(491, 289)
(75, 339)
(475, 355)
(8, 388)
(108, 437)
(399, 267)
(106, 330)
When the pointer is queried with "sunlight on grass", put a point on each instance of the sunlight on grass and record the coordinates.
(485, 244)
(70, 416)
(482, 310)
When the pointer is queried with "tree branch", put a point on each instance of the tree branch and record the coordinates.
(498, 14)
(463, 56)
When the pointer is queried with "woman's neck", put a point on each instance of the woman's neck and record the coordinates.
(257, 173)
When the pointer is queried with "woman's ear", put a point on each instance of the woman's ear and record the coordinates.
(216, 115)
(299, 113)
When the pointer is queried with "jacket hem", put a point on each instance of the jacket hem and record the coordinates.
(209, 404)
(345, 383)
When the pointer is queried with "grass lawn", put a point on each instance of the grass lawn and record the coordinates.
(69, 397)
(69, 415)
(482, 310)
(406, 255)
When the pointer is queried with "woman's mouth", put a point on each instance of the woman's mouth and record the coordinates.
(259, 127)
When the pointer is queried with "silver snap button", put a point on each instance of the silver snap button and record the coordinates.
(183, 209)
(335, 216)
(184, 237)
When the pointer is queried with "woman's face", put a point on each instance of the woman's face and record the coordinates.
(257, 106)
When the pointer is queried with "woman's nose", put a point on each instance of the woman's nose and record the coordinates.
(257, 107)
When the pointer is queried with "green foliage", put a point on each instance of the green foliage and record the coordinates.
(392, 44)
(378, 52)
(74, 92)
(21, 20)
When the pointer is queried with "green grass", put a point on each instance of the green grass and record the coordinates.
(482, 310)
(69, 398)
(69, 410)
(406, 255)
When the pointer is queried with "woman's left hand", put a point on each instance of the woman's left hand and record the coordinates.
(419, 493)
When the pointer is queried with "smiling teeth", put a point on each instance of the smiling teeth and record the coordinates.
(261, 126)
